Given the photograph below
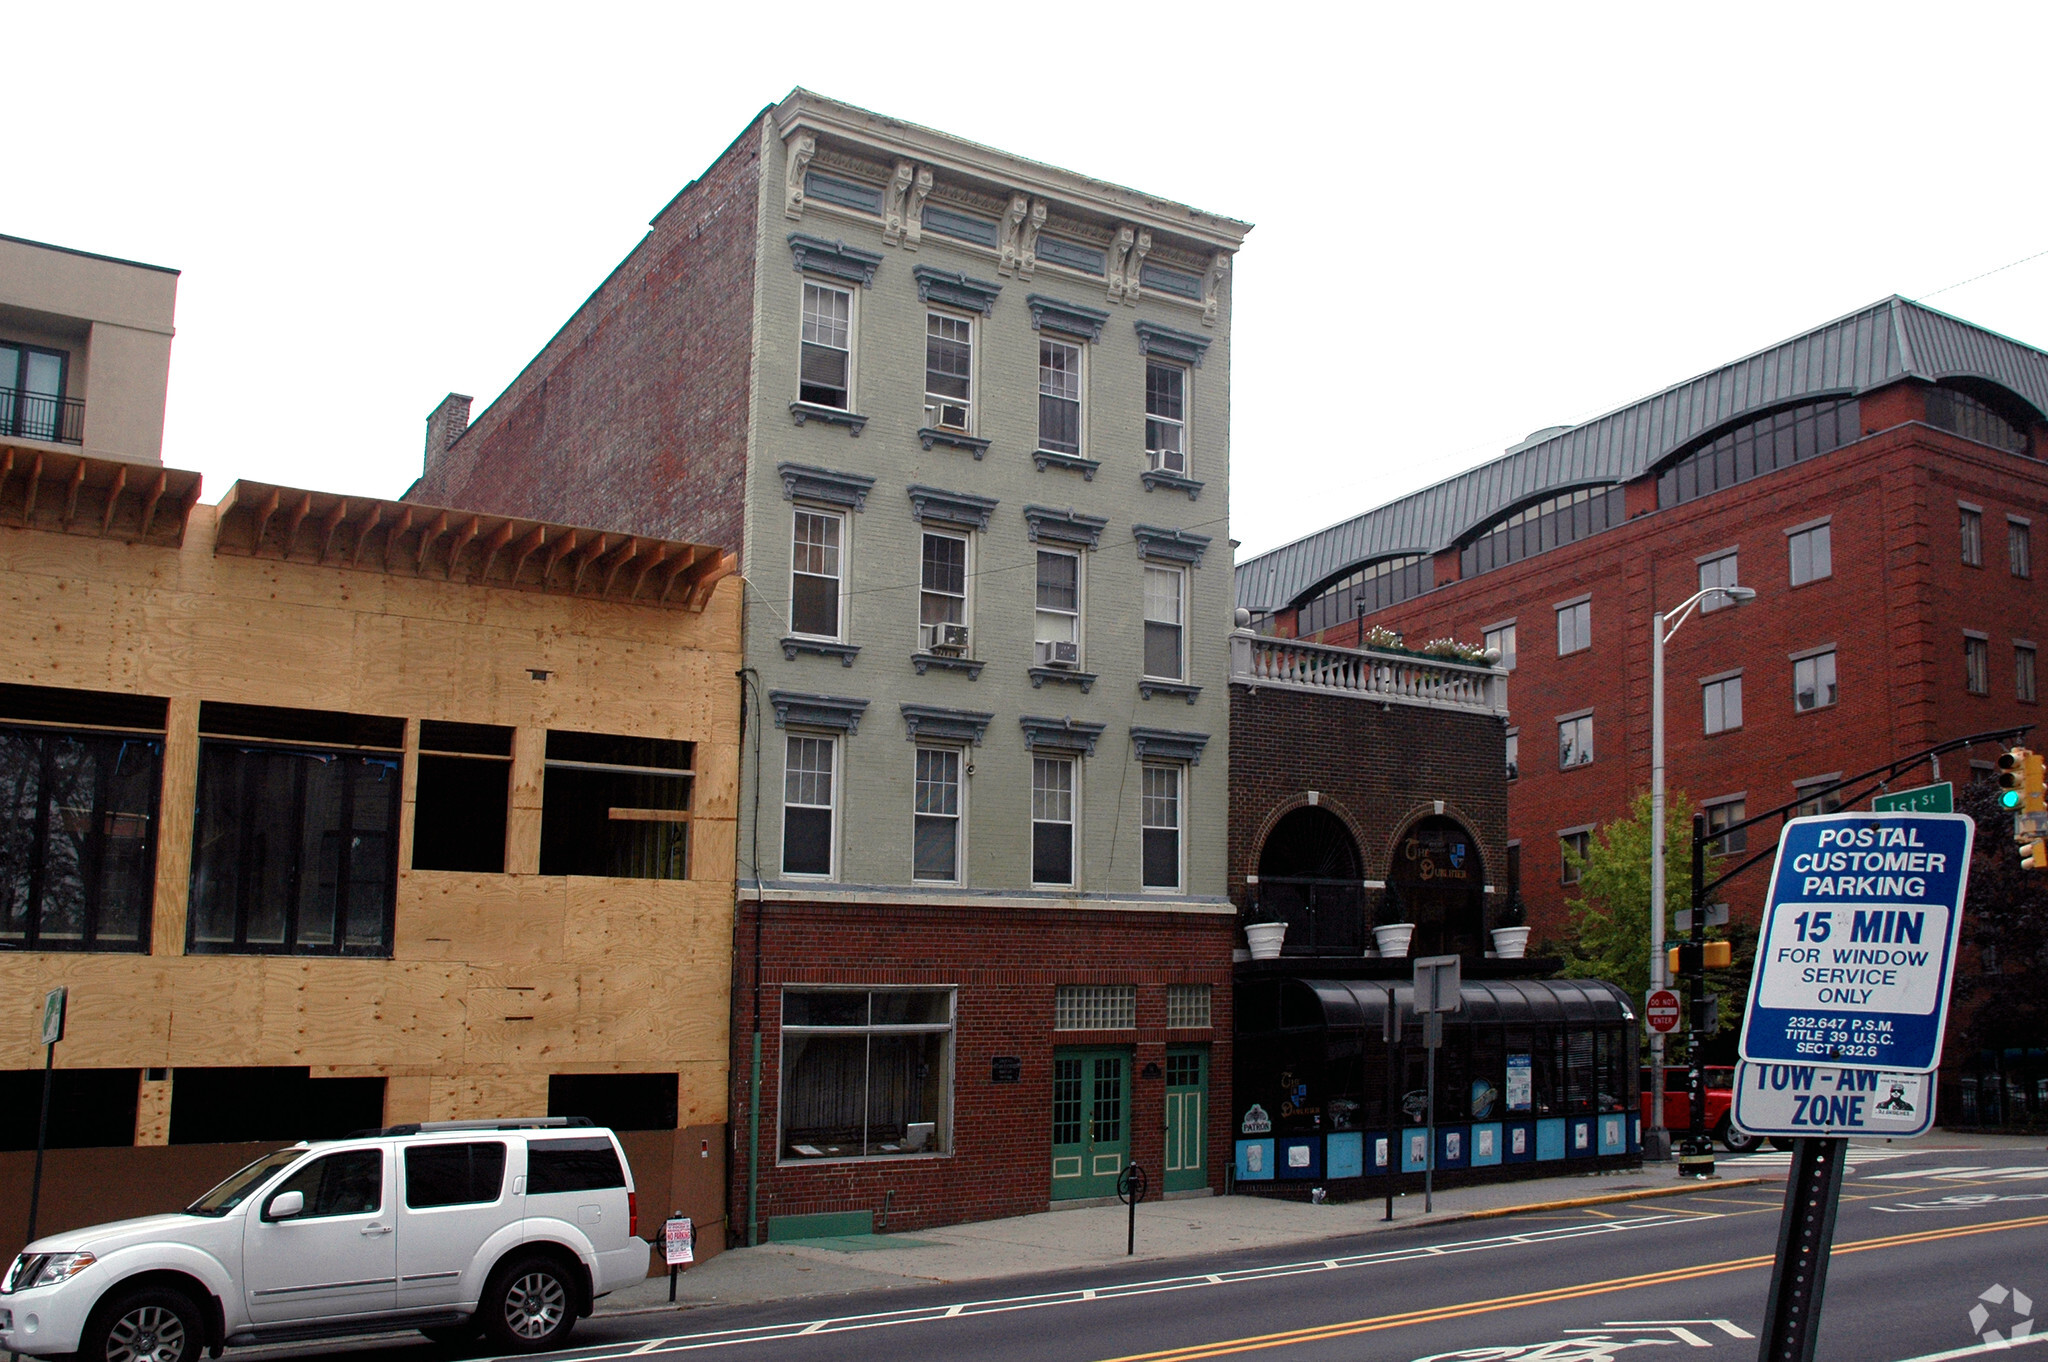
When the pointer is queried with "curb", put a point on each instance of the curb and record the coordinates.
(1570, 1203)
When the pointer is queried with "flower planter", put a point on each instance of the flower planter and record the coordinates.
(1510, 943)
(1264, 938)
(1393, 939)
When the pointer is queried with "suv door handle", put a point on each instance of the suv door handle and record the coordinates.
(376, 1229)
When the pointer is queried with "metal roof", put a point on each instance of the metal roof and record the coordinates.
(1880, 344)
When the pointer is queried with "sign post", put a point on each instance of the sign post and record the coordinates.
(1846, 1014)
(54, 1003)
(1438, 989)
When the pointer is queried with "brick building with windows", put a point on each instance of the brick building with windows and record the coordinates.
(1878, 481)
(965, 417)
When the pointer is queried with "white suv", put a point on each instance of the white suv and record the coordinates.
(507, 1228)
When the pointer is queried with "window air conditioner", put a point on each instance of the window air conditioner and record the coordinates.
(950, 639)
(1059, 654)
(947, 416)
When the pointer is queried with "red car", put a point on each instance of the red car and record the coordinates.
(1720, 1096)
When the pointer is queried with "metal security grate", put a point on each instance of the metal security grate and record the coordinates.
(1187, 1005)
(1095, 1007)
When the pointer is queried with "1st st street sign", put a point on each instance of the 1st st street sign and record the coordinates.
(1859, 941)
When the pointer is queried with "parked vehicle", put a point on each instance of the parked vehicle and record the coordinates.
(1720, 1097)
(508, 1229)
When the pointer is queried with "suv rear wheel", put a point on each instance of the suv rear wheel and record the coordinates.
(530, 1304)
(152, 1324)
(1738, 1140)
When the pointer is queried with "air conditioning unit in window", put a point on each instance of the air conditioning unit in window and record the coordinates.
(947, 416)
(1059, 654)
(949, 640)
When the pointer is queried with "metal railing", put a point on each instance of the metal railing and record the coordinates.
(1368, 674)
(41, 416)
(1323, 917)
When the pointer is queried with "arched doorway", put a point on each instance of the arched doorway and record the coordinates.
(1441, 882)
(1310, 878)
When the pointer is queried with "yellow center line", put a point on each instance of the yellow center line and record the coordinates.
(1439, 1314)
(1604, 1215)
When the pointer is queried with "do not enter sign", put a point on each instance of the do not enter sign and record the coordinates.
(1662, 1010)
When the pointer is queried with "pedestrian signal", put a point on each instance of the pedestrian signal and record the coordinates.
(1691, 956)
(2034, 855)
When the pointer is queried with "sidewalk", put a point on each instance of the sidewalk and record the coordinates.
(1094, 1236)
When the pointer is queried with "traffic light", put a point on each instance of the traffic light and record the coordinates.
(2023, 780)
(1690, 956)
(2034, 855)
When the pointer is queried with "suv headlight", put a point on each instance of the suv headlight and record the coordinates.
(46, 1269)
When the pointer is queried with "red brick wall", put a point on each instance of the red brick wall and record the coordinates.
(634, 416)
(1896, 606)
(1006, 964)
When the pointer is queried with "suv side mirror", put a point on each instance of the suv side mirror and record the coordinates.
(285, 1205)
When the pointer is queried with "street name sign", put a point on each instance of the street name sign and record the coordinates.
(1939, 798)
(1660, 1010)
(1859, 941)
(1802, 1100)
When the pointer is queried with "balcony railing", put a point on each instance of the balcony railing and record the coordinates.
(1323, 917)
(39, 416)
(1367, 674)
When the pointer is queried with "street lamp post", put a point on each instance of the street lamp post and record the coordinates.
(1656, 1140)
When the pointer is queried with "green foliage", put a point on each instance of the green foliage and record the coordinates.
(1999, 1003)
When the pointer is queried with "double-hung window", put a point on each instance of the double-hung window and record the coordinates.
(1574, 845)
(935, 833)
(1052, 820)
(948, 372)
(1813, 680)
(2019, 546)
(1514, 753)
(1815, 796)
(1977, 664)
(1575, 626)
(1059, 397)
(1970, 532)
(1058, 625)
(1166, 418)
(814, 573)
(826, 377)
(809, 805)
(1575, 740)
(1721, 702)
(1159, 819)
(1718, 570)
(866, 1074)
(942, 594)
(1165, 589)
(1720, 813)
(1811, 550)
(1501, 638)
(2023, 672)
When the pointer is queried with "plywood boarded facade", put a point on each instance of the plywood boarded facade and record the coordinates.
(493, 982)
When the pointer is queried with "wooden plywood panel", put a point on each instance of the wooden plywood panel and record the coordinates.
(153, 1111)
(478, 1095)
(408, 790)
(118, 1011)
(408, 1097)
(335, 1011)
(520, 1019)
(174, 827)
(485, 919)
(522, 824)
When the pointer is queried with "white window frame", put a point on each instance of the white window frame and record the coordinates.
(2027, 671)
(1498, 635)
(1976, 663)
(2019, 546)
(1156, 458)
(1584, 832)
(1575, 721)
(1080, 398)
(1733, 808)
(1179, 827)
(966, 596)
(836, 775)
(945, 1143)
(1970, 533)
(1512, 741)
(1080, 610)
(1806, 532)
(852, 348)
(1800, 787)
(1072, 822)
(1580, 611)
(935, 403)
(1156, 574)
(1716, 687)
(845, 524)
(1813, 655)
(958, 816)
(1714, 561)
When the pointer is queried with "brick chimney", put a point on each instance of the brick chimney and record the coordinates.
(445, 425)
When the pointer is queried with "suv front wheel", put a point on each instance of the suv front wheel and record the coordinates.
(529, 1307)
(1738, 1140)
(153, 1324)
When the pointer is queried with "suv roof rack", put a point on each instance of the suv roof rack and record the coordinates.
(505, 1123)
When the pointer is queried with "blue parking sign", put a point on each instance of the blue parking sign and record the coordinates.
(1859, 941)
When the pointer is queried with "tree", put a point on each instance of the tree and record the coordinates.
(1999, 1003)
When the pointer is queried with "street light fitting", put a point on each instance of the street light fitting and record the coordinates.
(1738, 594)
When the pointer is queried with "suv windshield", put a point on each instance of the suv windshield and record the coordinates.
(240, 1186)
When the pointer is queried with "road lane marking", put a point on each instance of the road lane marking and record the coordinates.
(1575, 1291)
(1979, 1349)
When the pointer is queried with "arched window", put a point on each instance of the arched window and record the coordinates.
(1953, 409)
(1541, 526)
(1309, 878)
(1759, 446)
(1365, 590)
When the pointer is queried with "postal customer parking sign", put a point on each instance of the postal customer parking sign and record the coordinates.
(1859, 942)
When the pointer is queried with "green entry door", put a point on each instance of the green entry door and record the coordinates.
(1187, 1112)
(1091, 1126)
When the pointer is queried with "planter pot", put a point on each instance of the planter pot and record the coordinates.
(1393, 939)
(1510, 943)
(1264, 938)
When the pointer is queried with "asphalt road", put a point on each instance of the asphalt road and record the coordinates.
(1923, 1240)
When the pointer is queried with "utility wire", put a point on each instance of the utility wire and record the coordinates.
(1986, 275)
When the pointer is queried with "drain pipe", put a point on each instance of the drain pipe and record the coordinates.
(749, 676)
(754, 1136)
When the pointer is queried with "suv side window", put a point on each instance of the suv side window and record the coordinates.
(582, 1165)
(348, 1183)
(454, 1174)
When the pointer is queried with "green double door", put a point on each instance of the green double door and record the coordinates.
(1091, 1120)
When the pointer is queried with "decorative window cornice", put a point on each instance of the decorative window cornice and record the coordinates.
(1167, 343)
(1171, 546)
(1050, 314)
(801, 412)
(1173, 482)
(1167, 744)
(1048, 458)
(955, 508)
(971, 665)
(1041, 675)
(834, 259)
(1063, 527)
(803, 482)
(933, 723)
(951, 288)
(1148, 687)
(845, 652)
(1060, 735)
(838, 712)
(932, 435)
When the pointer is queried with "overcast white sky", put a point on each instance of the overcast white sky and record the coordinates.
(1472, 221)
